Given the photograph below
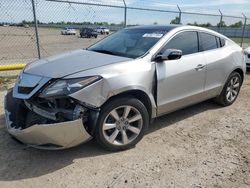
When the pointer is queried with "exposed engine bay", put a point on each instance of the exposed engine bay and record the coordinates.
(54, 110)
(48, 117)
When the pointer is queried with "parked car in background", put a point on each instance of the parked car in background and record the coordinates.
(247, 56)
(68, 31)
(102, 30)
(112, 90)
(88, 33)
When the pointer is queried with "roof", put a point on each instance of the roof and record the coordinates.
(170, 27)
(155, 27)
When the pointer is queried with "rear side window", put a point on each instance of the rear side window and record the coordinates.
(207, 42)
(186, 41)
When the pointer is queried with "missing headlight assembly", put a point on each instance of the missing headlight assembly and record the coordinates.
(57, 110)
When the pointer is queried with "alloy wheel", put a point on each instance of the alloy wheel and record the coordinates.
(233, 88)
(122, 125)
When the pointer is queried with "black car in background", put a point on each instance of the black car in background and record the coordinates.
(88, 33)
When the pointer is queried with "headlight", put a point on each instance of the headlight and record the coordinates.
(65, 87)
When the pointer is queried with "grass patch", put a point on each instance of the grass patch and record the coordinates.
(6, 81)
(238, 40)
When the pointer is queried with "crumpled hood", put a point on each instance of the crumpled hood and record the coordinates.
(71, 62)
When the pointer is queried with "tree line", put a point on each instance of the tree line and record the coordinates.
(24, 22)
(176, 20)
(238, 24)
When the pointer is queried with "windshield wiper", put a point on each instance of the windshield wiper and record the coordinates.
(105, 52)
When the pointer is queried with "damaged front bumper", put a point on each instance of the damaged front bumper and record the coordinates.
(44, 136)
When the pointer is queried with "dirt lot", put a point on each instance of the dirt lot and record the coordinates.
(18, 44)
(201, 146)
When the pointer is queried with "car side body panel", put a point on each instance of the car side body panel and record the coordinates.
(179, 83)
(117, 79)
(220, 63)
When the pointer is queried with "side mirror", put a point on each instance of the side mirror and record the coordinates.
(169, 54)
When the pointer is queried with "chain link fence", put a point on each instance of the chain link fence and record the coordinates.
(32, 29)
(17, 41)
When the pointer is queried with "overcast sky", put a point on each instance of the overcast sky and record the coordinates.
(18, 10)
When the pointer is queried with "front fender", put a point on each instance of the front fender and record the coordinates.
(95, 95)
(116, 79)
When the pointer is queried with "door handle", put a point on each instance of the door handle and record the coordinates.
(199, 67)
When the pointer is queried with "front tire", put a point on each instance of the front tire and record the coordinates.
(231, 90)
(121, 124)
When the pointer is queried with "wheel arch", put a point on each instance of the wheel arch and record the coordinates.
(241, 72)
(238, 70)
(134, 93)
(138, 94)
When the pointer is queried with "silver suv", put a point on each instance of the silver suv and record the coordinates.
(114, 88)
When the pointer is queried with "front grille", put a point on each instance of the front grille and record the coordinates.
(25, 90)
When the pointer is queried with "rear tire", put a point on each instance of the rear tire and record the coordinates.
(231, 90)
(121, 124)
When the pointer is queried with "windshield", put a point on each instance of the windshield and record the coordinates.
(130, 43)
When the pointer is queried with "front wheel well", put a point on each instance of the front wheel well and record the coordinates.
(93, 116)
(138, 94)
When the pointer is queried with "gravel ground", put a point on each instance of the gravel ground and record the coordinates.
(200, 146)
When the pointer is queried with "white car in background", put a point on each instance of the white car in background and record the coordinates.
(68, 31)
(102, 30)
(247, 53)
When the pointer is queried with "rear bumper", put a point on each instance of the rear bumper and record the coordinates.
(44, 136)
